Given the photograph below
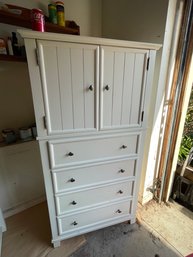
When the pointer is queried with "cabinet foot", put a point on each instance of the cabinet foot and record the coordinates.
(132, 220)
(56, 244)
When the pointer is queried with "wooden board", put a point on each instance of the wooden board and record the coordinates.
(28, 234)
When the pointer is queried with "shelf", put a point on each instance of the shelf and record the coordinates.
(23, 20)
(12, 58)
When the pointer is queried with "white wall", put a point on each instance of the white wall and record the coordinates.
(145, 21)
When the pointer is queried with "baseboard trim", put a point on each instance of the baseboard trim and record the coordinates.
(21, 207)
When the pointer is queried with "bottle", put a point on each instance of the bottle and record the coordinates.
(15, 44)
(9, 46)
(60, 13)
(52, 13)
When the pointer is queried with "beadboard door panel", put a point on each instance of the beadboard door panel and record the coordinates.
(123, 77)
(70, 81)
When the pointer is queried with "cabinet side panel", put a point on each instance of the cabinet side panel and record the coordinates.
(35, 80)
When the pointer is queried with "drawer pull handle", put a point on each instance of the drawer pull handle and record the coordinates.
(72, 180)
(123, 146)
(91, 88)
(119, 211)
(122, 170)
(75, 223)
(70, 154)
(120, 192)
(73, 202)
(107, 87)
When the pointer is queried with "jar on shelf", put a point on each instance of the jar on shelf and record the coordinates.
(60, 13)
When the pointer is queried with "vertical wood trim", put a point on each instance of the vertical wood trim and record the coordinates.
(163, 167)
(178, 117)
(35, 79)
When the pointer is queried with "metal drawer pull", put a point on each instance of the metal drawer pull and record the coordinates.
(72, 180)
(73, 202)
(119, 211)
(123, 146)
(75, 223)
(91, 88)
(120, 192)
(122, 170)
(107, 87)
(70, 154)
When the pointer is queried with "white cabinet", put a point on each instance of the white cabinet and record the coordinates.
(94, 95)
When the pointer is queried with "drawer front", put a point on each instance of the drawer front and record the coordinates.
(78, 200)
(84, 151)
(84, 176)
(80, 220)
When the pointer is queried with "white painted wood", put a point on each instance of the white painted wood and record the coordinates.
(75, 201)
(124, 71)
(82, 151)
(20, 171)
(69, 103)
(86, 40)
(89, 217)
(36, 88)
(93, 175)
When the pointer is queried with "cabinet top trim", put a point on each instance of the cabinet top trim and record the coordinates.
(84, 39)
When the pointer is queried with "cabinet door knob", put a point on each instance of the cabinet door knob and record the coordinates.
(72, 180)
(73, 202)
(120, 192)
(124, 146)
(119, 211)
(122, 170)
(70, 154)
(91, 88)
(75, 223)
(107, 87)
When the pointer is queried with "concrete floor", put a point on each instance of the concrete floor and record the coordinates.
(161, 231)
(124, 240)
(170, 221)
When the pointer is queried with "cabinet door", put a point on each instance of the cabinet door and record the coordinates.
(69, 78)
(123, 75)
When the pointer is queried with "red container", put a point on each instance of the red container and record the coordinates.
(37, 20)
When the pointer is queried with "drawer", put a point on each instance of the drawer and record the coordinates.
(92, 217)
(85, 151)
(92, 197)
(83, 176)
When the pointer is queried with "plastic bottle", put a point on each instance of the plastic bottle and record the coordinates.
(60, 13)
